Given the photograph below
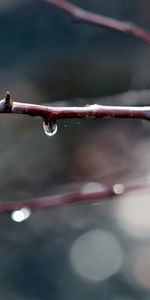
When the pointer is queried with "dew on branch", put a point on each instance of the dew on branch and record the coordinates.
(50, 127)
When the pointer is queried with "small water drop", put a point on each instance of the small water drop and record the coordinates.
(50, 127)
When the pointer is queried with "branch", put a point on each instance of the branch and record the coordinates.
(82, 15)
(54, 201)
(51, 114)
(106, 194)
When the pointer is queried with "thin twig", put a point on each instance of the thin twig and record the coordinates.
(57, 200)
(106, 194)
(82, 15)
(49, 113)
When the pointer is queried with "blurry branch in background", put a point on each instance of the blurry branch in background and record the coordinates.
(56, 200)
(105, 194)
(82, 15)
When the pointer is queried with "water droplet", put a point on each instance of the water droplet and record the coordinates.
(50, 127)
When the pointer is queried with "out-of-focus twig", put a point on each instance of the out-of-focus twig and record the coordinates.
(57, 200)
(107, 194)
(82, 15)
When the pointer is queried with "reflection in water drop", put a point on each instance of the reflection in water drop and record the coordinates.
(50, 127)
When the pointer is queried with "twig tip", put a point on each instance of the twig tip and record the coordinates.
(7, 97)
(8, 102)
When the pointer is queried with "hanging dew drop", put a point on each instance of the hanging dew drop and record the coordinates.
(50, 127)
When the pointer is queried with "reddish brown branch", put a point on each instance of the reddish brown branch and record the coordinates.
(91, 111)
(95, 19)
(49, 113)
(77, 198)
(54, 201)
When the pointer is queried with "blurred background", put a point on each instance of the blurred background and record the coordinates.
(99, 250)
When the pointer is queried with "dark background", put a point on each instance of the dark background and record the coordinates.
(46, 57)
